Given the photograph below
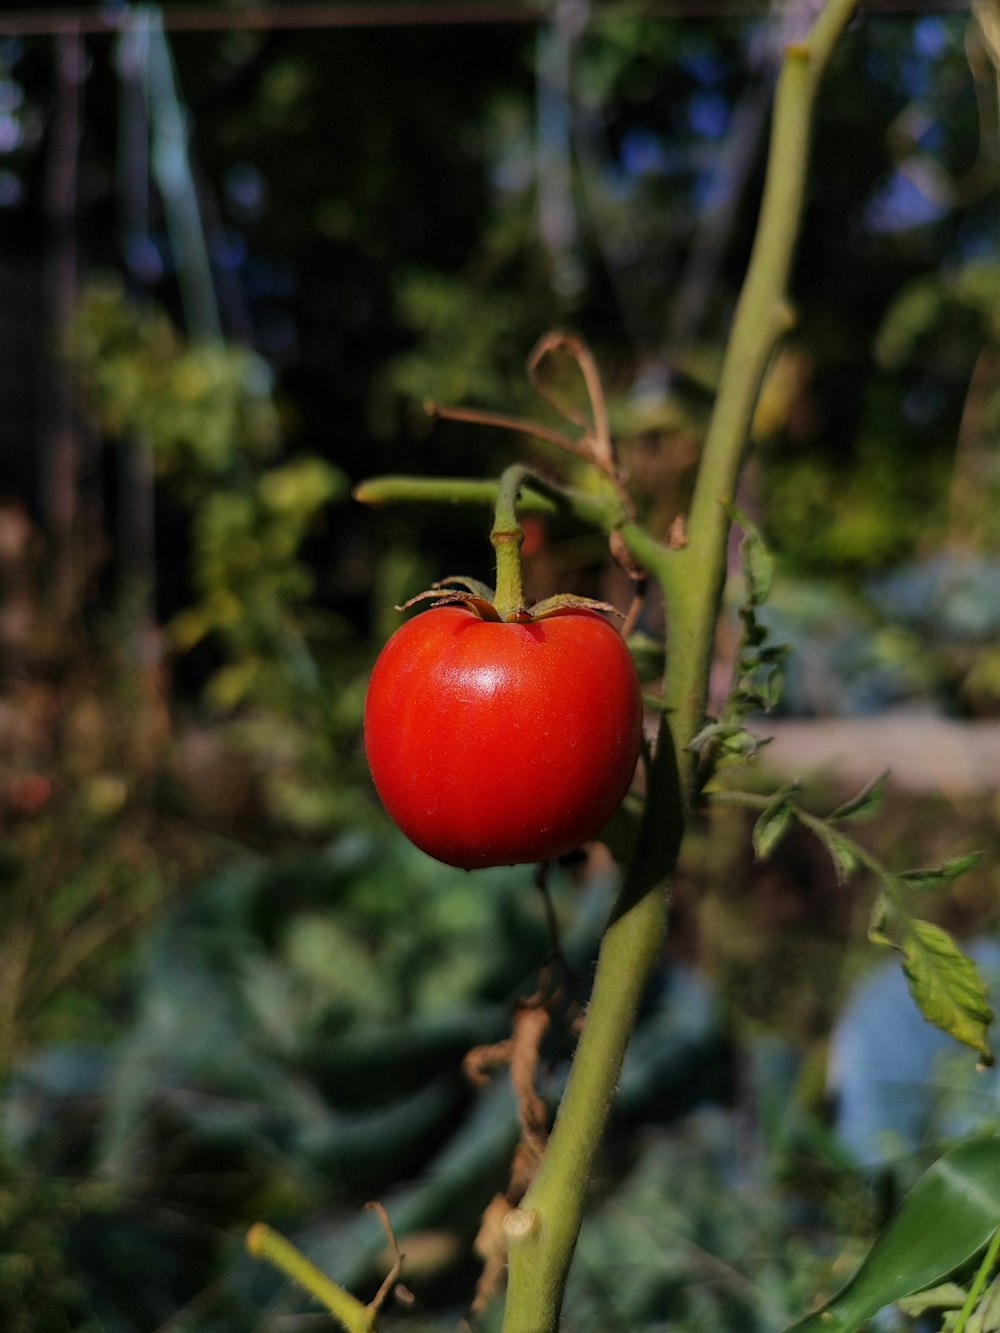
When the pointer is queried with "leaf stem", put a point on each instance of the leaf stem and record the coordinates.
(976, 1290)
(265, 1243)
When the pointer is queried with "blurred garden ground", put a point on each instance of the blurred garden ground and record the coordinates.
(238, 253)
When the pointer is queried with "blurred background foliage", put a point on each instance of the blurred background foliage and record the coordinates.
(234, 265)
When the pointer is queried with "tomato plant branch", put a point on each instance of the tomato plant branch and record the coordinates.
(602, 510)
(542, 1232)
(693, 577)
(942, 980)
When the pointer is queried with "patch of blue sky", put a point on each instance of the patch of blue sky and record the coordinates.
(915, 75)
(930, 37)
(708, 114)
(705, 65)
(11, 190)
(977, 236)
(642, 152)
(933, 138)
(901, 206)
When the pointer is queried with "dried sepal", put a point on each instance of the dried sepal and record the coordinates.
(477, 588)
(568, 601)
(482, 606)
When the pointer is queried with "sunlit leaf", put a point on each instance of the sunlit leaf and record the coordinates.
(939, 877)
(756, 559)
(946, 985)
(877, 920)
(841, 850)
(769, 828)
(866, 802)
(947, 1217)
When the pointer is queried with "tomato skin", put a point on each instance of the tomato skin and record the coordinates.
(501, 743)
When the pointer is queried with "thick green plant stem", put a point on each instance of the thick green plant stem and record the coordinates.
(693, 577)
(542, 1232)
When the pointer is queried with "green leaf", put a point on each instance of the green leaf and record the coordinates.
(772, 687)
(712, 732)
(756, 559)
(939, 877)
(946, 985)
(769, 828)
(946, 1219)
(648, 656)
(758, 565)
(841, 850)
(659, 834)
(867, 801)
(744, 744)
(949, 1296)
(877, 921)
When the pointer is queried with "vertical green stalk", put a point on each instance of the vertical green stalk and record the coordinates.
(507, 536)
(542, 1232)
(694, 576)
(979, 1283)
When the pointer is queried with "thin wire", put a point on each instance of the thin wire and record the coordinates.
(404, 14)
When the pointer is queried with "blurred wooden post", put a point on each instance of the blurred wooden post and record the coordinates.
(59, 462)
(136, 483)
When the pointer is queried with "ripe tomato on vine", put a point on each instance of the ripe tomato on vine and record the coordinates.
(497, 742)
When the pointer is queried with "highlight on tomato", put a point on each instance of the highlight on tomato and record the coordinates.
(499, 742)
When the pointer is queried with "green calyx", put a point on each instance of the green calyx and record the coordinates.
(483, 600)
(506, 603)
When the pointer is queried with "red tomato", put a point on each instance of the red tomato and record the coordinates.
(498, 743)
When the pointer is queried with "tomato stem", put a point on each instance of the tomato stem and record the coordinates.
(506, 537)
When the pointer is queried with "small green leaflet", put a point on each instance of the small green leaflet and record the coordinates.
(878, 919)
(939, 877)
(841, 850)
(756, 559)
(946, 986)
(867, 801)
(946, 1219)
(769, 827)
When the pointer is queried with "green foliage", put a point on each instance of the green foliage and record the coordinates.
(915, 1250)
(38, 1290)
(208, 414)
(203, 407)
(298, 1026)
(757, 674)
(673, 1236)
(944, 982)
(251, 579)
